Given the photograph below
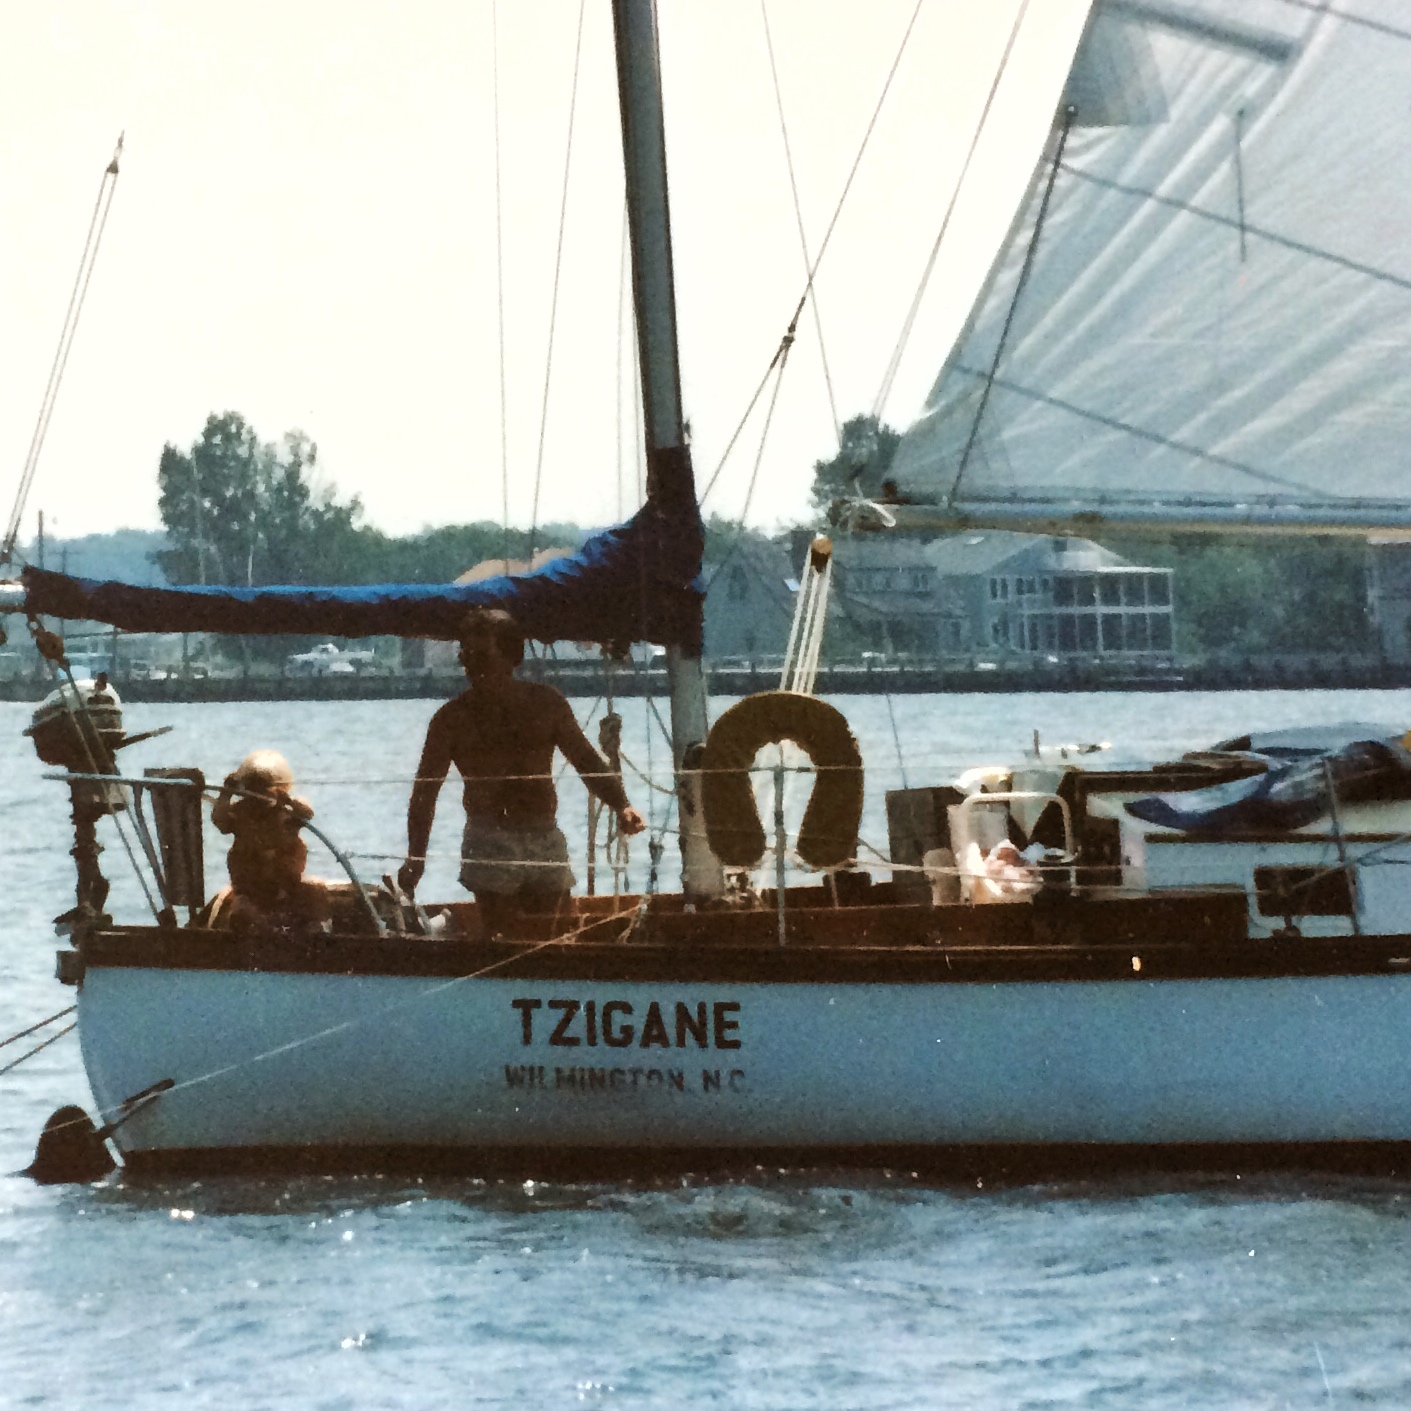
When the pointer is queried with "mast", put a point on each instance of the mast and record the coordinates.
(670, 480)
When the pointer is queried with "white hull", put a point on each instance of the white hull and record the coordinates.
(418, 1064)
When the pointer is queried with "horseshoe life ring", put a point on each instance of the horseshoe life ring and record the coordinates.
(828, 836)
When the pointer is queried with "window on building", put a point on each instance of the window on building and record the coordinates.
(994, 589)
(1138, 633)
(738, 587)
(920, 580)
(1161, 631)
(1158, 589)
(1067, 632)
(1110, 585)
(1085, 591)
(1134, 589)
(1049, 634)
(1087, 633)
(1063, 592)
(1112, 632)
(953, 634)
(1033, 634)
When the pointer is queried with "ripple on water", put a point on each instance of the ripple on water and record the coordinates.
(768, 1290)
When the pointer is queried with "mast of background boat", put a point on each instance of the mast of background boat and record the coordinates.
(669, 476)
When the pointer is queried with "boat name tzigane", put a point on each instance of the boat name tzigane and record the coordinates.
(571, 1023)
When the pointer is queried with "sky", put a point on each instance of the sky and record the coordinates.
(305, 231)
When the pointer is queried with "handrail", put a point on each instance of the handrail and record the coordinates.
(1023, 796)
(1006, 796)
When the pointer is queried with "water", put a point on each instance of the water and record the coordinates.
(771, 1290)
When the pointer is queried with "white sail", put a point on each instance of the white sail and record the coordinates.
(1215, 322)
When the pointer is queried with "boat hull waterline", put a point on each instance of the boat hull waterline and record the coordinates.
(375, 1072)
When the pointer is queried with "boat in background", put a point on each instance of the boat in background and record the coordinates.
(1049, 979)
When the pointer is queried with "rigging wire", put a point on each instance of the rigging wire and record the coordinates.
(1068, 115)
(1239, 182)
(500, 287)
(558, 270)
(894, 365)
(34, 1028)
(96, 225)
(622, 283)
(38, 1048)
(866, 138)
(749, 410)
(812, 272)
(896, 740)
(812, 293)
(776, 367)
(781, 364)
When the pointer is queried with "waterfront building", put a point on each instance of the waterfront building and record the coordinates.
(998, 593)
(749, 603)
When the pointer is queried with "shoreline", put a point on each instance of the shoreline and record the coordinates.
(588, 680)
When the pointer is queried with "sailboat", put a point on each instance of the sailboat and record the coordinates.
(1121, 998)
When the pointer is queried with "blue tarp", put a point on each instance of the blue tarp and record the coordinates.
(1292, 792)
(638, 582)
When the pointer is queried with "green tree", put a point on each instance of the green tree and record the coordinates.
(241, 511)
(867, 447)
(1264, 596)
(723, 536)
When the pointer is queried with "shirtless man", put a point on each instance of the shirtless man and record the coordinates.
(501, 735)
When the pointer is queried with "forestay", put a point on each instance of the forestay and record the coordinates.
(1214, 324)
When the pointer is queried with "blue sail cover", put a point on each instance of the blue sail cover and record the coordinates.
(638, 582)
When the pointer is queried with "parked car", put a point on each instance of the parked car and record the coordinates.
(329, 659)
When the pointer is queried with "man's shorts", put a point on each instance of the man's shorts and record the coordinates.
(515, 861)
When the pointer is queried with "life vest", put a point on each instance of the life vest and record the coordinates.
(828, 835)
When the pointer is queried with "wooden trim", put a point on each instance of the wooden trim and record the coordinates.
(1172, 936)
